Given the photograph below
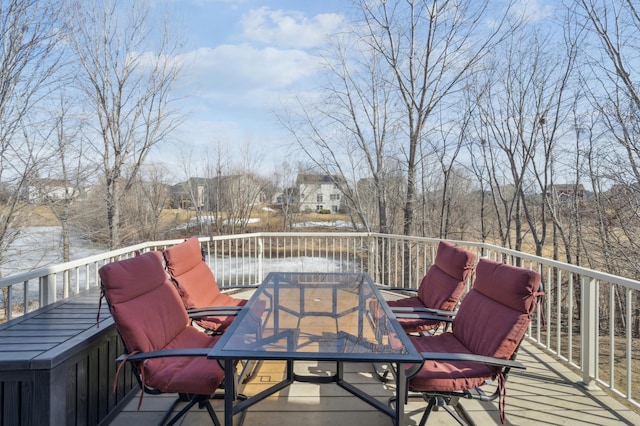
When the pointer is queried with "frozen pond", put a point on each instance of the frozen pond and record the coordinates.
(39, 246)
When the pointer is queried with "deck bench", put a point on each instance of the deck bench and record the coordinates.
(57, 367)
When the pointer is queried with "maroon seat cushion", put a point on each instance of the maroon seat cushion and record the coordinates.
(441, 287)
(196, 283)
(197, 375)
(150, 316)
(491, 321)
(447, 376)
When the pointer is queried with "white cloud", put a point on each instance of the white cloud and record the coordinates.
(289, 29)
(244, 66)
(533, 10)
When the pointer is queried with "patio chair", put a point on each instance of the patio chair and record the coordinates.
(482, 345)
(438, 294)
(168, 355)
(197, 286)
(439, 290)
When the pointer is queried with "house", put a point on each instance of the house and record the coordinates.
(194, 194)
(318, 193)
(216, 194)
(38, 191)
(566, 193)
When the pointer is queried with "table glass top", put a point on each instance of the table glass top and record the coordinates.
(333, 316)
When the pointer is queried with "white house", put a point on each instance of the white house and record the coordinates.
(318, 193)
(48, 190)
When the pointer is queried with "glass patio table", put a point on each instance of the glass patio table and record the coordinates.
(320, 317)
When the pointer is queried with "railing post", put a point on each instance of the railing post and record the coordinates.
(589, 327)
(260, 259)
(47, 290)
(372, 259)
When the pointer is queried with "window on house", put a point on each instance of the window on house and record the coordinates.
(319, 207)
(335, 197)
(319, 198)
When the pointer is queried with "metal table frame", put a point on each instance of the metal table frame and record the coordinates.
(245, 340)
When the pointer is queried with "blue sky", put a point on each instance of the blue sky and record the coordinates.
(242, 59)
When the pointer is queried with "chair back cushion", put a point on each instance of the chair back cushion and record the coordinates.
(145, 305)
(196, 283)
(493, 317)
(444, 282)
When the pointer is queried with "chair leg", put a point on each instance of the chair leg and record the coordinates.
(211, 412)
(201, 400)
(432, 403)
(451, 406)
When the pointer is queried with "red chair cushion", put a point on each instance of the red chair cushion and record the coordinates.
(441, 287)
(219, 323)
(444, 282)
(510, 285)
(145, 306)
(197, 375)
(494, 316)
(447, 376)
(196, 283)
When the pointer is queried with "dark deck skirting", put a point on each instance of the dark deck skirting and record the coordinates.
(57, 367)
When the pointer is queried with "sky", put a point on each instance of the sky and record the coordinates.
(242, 60)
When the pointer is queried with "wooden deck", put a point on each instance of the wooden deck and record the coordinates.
(546, 393)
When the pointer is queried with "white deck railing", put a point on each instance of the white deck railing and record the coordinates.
(589, 319)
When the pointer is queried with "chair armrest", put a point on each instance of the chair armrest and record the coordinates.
(235, 287)
(214, 309)
(407, 289)
(164, 353)
(213, 313)
(423, 316)
(406, 309)
(495, 362)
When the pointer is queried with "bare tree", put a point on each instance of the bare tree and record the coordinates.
(29, 60)
(128, 76)
(430, 47)
(348, 133)
(149, 197)
(285, 180)
(240, 189)
(68, 166)
(522, 112)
